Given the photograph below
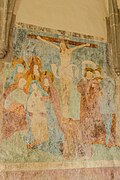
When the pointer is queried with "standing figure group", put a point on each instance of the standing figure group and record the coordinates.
(29, 104)
(95, 109)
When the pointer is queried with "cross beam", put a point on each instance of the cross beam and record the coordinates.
(59, 40)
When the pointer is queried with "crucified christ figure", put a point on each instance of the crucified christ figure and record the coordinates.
(66, 71)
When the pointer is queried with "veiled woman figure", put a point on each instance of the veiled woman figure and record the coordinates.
(18, 67)
(54, 111)
(37, 113)
(34, 71)
(14, 110)
(16, 74)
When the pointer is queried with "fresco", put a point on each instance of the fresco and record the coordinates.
(85, 174)
(59, 99)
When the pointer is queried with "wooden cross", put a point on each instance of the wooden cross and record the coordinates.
(59, 40)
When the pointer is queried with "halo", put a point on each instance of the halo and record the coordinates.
(87, 64)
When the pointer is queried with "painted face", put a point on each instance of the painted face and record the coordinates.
(46, 82)
(36, 72)
(20, 69)
(22, 83)
(89, 75)
(35, 67)
(34, 86)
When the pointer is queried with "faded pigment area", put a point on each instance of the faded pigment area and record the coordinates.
(58, 99)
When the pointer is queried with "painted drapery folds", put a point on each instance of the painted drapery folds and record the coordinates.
(59, 99)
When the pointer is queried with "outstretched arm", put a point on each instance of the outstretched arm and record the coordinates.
(79, 47)
(49, 43)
